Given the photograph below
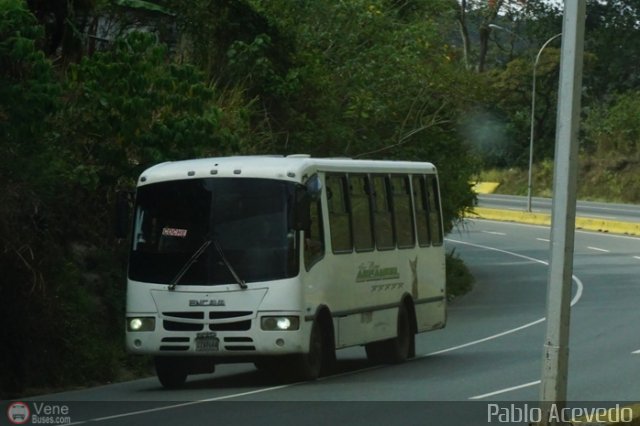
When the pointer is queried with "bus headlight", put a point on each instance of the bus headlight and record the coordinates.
(280, 323)
(141, 324)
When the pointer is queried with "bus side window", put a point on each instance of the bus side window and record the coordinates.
(383, 224)
(361, 209)
(339, 216)
(421, 210)
(435, 222)
(314, 236)
(403, 211)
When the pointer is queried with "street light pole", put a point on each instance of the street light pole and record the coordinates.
(533, 114)
(533, 110)
(555, 357)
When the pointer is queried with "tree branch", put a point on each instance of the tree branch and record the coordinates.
(407, 136)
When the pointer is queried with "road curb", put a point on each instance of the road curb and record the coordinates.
(589, 224)
(485, 187)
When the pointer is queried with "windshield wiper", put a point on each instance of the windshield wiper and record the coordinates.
(239, 280)
(191, 261)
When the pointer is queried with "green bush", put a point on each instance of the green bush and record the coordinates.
(614, 129)
(459, 278)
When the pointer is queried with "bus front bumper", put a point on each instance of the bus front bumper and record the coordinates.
(254, 342)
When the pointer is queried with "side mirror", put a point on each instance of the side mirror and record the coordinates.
(314, 187)
(122, 213)
(304, 197)
(301, 216)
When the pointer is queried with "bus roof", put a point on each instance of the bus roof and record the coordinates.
(294, 168)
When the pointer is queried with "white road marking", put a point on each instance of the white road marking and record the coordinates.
(580, 286)
(598, 249)
(575, 300)
(184, 404)
(486, 339)
(505, 390)
(522, 327)
(578, 231)
(494, 233)
(544, 239)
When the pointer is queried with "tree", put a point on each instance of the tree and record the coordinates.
(28, 88)
(484, 14)
(28, 93)
(378, 80)
(130, 107)
(66, 146)
(611, 35)
(366, 79)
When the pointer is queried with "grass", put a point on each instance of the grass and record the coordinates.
(609, 179)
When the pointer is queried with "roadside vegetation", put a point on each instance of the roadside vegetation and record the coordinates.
(606, 179)
(459, 278)
(609, 161)
(93, 92)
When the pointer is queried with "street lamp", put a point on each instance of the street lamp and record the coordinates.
(533, 112)
(533, 109)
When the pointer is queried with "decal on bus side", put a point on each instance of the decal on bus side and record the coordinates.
(386, 287)
(371, 271)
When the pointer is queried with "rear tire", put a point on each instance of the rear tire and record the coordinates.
(400, 347)
(171, 371)
(397, 349)
(374, 352)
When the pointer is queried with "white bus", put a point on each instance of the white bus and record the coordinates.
(280, 261)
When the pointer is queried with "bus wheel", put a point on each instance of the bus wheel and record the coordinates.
(171, 371)
(398, 349)
(375, 352)
(271, 367)
(309, 365)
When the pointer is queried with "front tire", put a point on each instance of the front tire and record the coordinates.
(271, 367)
(171, 371)
(309, 366)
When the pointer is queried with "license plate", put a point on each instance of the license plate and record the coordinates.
(207, 342)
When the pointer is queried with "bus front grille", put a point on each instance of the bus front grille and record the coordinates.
(181, 326)
(239, 344)
(218, 320)
(175, 344)
(240, 348)
(231, 326)
(223, 320)
(229, 314)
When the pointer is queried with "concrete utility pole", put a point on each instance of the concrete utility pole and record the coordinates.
(553, 389)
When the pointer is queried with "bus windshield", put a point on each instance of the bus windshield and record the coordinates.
(249, 219)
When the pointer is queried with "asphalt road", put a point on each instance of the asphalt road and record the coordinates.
(488, 356)
(611, 211)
